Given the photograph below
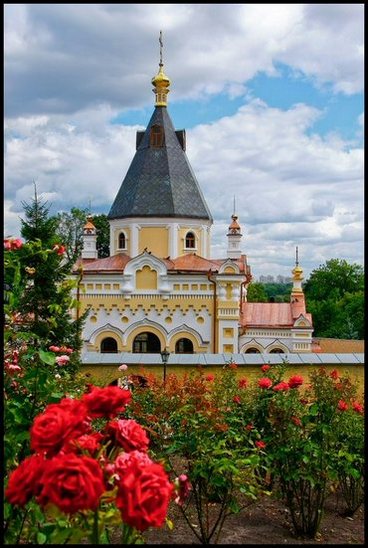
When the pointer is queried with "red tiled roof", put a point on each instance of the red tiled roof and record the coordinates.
(190, 262)
(195, 263)
(266, 315)
(339, 346)
(116, 262)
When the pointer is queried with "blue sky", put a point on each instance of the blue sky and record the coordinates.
(339, 112)
(273, 109)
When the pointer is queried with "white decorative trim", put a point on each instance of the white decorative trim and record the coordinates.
(184, 328)
(107, 327)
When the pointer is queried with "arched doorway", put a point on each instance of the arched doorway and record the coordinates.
(146, 343)
(252, 351)
(277, 351)
(109, 345)
(184, 346)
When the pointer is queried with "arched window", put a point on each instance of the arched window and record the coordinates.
(157, 136)
(146, 343)
(277, 351)
(252, 351)
(190, 240)
(109, 345)
(122, 241)
(184, 346)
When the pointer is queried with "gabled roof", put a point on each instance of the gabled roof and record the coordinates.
(192, 262)
(268, 315)
(112, 264)
(160, 181)
(185, 263)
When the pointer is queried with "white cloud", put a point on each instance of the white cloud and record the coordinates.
(71, 68)
(66, 57)
(291, 187)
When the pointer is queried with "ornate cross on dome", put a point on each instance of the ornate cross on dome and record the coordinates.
(161, 46)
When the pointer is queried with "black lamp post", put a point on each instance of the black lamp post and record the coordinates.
(165, 357)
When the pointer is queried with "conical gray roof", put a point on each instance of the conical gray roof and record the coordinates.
(160, 181)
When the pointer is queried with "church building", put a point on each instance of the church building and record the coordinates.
(159, 288)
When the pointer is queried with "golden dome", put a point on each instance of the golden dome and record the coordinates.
(161, 82)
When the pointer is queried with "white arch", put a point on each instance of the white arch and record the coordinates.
(277, 344)
(100, 330)
(183, 328)
(232, 264)
(145, 259)
(252, 344)
(144, 323)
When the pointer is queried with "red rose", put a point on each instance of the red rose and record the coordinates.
(54, 348)
(25, 481)
(242, 383)
(143, 496)
(295, 381)
(357, 407)
(72, 483)
(265, 368)
(125, 460)
(334, 374)
(128, 434)
(182, 489)
(264, 382)
(106, 402)
(249, 426)
(236, 399)
(281, 386)
(210, 377)
(260, 444)
(342, 406)
(296, 421)
(59, 423)
(87, 442)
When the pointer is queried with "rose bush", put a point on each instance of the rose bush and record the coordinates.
(93, 477)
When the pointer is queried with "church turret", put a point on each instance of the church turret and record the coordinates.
(297, 275)
(297, 295)
(234, 237)
(89, 240)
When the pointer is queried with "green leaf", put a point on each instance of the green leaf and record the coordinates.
(41, 538)
(47, 357)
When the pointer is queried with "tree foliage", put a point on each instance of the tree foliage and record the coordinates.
(70, 229)
(335, 297)
(333, 279)
(103, 235)
(44, 291)
(256, 293)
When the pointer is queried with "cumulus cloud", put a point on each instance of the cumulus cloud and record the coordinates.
(71, 69)
(61, 58)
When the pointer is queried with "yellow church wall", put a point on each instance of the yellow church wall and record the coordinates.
(102, 375)
(183, 303)
(155, 239)
(146, 278)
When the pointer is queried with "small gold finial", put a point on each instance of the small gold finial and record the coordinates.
(297, 272)
(161, 46)
(161, 82)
